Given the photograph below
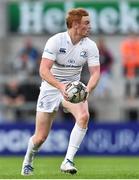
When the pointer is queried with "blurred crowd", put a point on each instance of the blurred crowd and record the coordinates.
(20, 93)
(130, 60)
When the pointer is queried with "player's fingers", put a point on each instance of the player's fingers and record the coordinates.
(86, 96)
(65, 94)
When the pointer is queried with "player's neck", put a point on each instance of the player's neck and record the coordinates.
(74, 37)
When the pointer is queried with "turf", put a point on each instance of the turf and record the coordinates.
(89, 168)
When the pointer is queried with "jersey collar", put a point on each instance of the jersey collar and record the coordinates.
(69, 39)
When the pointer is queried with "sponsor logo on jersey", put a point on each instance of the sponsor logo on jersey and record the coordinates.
(67, 65)
(62, 50)
(83, 54)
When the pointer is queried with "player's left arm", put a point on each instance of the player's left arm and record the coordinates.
(94, 66)
(94, 78)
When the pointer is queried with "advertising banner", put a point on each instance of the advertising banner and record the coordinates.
(101, 139)
(39, 17)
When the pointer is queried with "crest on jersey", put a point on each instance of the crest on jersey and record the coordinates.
(83, 54)
(62, 50)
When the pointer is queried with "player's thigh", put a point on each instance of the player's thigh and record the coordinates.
(44, 122)
(79, 111)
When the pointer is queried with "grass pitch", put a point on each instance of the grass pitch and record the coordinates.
(88, 168)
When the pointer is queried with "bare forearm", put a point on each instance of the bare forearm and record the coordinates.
(48, 76)
(45, 73)
(94, 78)
(92, 83)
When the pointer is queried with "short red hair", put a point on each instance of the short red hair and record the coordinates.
(75, 15)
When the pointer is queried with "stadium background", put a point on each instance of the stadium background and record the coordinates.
(113, 128)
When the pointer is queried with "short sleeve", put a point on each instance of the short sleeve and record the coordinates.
(50, 49)
(93, 54)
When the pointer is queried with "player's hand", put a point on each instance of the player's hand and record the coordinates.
(64, 92)
(86, 95)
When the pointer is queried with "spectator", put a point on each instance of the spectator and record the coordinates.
(16, 94)
(28, 59)
(13, 98)
(106, 61)
(130, 61)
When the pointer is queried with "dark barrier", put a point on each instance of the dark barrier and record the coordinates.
(101, 139)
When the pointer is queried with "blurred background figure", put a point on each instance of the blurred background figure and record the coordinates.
(18, 98)
(106, 60)
(130, 62)
(12, 99)
(27, 59)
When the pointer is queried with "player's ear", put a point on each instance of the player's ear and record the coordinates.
(75, 24)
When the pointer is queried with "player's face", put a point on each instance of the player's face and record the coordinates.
(84, 27)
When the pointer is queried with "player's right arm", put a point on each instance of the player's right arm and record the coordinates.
(45, 73)
(48, 58)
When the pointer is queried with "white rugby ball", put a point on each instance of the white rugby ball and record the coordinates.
(76, 92)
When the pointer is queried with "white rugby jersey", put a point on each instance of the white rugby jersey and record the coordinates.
(68, 58)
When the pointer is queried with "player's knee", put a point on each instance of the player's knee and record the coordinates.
(83, 120)
(85, 116)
